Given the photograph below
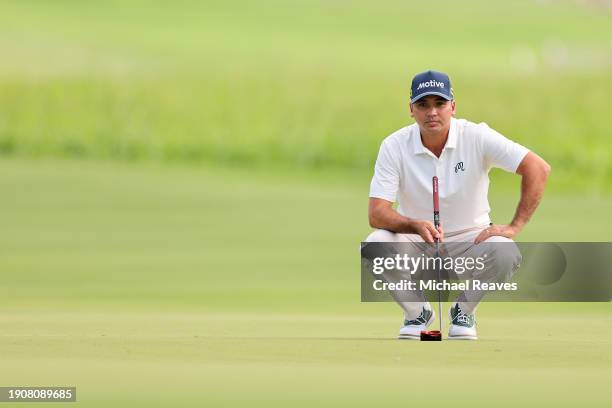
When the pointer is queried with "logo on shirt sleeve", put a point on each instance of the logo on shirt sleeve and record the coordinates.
(459, 166)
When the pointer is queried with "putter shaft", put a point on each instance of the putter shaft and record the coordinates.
(436, 208)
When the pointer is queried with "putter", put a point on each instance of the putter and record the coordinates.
(435, 335)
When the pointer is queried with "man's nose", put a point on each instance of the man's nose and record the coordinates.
(432, 112)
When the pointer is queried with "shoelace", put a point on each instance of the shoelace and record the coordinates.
(463, 318)
(418, 321)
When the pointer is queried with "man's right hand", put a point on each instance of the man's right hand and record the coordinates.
(426, 230)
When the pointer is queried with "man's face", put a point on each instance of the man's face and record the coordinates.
(433, 113)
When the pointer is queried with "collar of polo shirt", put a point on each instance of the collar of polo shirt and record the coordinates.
(451, 142)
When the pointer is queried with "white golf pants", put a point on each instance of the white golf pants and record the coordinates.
(500, 264)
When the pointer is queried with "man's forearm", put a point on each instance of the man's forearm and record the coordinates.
(532, 190)
(382, 215)
(390, 220)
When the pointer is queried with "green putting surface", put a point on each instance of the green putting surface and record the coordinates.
(531, 354)
(146, 285)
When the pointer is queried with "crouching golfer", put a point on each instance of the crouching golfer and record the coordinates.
(460, 153)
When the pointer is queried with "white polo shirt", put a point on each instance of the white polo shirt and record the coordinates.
(404, 170)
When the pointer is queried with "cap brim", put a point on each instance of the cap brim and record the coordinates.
(448, 98)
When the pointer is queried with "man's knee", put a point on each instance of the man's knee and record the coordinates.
(509, 257)
(373, 251)
(504, 258)
(381, 235)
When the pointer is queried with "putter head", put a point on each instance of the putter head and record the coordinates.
(431, 335)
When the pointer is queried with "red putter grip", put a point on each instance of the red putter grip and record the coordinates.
(436, 202)
(436, 197)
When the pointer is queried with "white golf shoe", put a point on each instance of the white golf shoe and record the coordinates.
(411, 330)
(463, 325)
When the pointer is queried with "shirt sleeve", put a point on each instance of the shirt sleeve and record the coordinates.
(500, 151)
(385, 182)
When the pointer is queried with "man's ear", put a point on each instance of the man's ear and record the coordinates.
(454, 107)
(411, 114)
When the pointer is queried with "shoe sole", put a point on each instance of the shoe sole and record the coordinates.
(417, 337)
(462, 338)
(408, 337)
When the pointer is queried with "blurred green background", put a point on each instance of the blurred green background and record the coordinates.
(184, 189)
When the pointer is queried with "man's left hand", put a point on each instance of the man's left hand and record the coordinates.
(507, 231)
